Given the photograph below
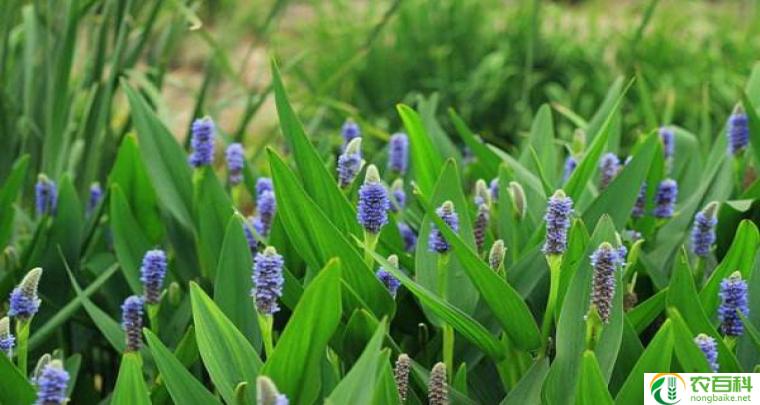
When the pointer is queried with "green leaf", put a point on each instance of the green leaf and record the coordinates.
(294, 364)
(182, 385)
(359, 385)
(226, 353)
(232, 288)
(463, 323)
(426, 162)
(306, 225)
(164, 158)
(505, 303)
(754, 125)
(485, 156)
(317, 181)
(129, 240)
(592, 386)
(130, 386)
(541, 140)
(14, 388)
(528, 389)
(656, 358)
(689, 355)
(8, 195)
(213, 209)
(645, 313)
(740, 257)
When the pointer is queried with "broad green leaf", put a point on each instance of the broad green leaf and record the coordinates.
(14, 388)
(232, 288)
(740, 257)
(386, 392)
(9, 193)
(460, 291)
(528, 389)
(646, 312)
(213, 209)
(164, 158)
(317, 181)
(656, 358)
(294, 364)
(129, 240)
(306, 225)
(486, 157)
(463, 323)
(182, 385)
(592, 386)
(358, 386)
(226, 353)
(504, 302)
(110, 329)
(689, 356)
(426, 163)
(130, 386)
(608, 107)
(754, 125)
(541, 140)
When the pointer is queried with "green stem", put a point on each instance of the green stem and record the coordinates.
(237, 195)
(22, 337)
(265, 324)
(699, 272)
(153, 317)
(555, 262)
(370, 241)
(447, 330)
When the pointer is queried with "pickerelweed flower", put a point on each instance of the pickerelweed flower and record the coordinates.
(350, 163)
(235, 156)
(46, 196)
(665, 199)
(438, 389)
(480, 226)
(737, 130)
(267, 280)
(733, 298)
(202, 142)
(398, 195)
(640, 207)
(494, 185)
(570, 165)
(266, 207)
(408, 235)
(372, 210)
(667, 137)
(710, 349)
(609, 167)
(605, 261)
(24, 301)
(52, 384)
(389, 281)
(482, 193)
(519, 202)
(96, 194)
(557, 217)
(132, 322)
(496, 255)
(264, 184)
(42, 362)
(703, 233)
(152, 273)
(350, 131)
(398, 153)
(401, 375)
(267, 393)
(436, 241)
(248, 227)
(7, 341)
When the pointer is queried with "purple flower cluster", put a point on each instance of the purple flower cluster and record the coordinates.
(267, 280)
(264, 184)
(733, 299)
(202, 142)
(436, 241)
(349, 163)
(665, 199)
(494, 186)
(51, 384)
(398, 153)
(667, 136)
(609, 167)
(605, 261)
(96, 194)
(372, 210)
(235, 156)
(132, 322)
(570, 165)
(481, 225)
(438, 388)
(557, 217)
(640, 207)
(398, 195)
(152, 273)
(350, 131)
(389, 281)
(266, 207)
(45, 196)
(408, 235)
(703, 233)
(7, 340)
(710, 349)
(24, 301)
(737, 130)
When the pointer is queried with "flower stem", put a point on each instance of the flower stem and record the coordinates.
(555, 262)
(447, 330)
(370, 241)
(22, 336)
(153, 317)
(699, 272)
(265, 324)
